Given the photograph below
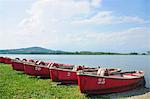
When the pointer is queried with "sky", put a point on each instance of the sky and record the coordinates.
(76, 25)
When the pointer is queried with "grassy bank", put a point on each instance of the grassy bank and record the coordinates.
(15, 84)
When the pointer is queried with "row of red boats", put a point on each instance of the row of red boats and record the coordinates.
(90, 80)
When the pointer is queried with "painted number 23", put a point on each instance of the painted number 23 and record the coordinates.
(101, 81)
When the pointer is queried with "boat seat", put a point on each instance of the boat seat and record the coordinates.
(66, 67)
(128, 76)
(101, 72)
(76, 68)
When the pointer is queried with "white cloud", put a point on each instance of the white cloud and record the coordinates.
(107, 17)
(53, 14)
(59, 16)
(130, 39)
(126, 40)
(96, 3)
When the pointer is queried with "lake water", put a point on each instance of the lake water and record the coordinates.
(124, 62)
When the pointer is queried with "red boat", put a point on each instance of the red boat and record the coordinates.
(8, 60)
(38, 69)
(5, 60)
(93, 83)
(2, 59)
(64, 74)
(18, 64)
(67, 74)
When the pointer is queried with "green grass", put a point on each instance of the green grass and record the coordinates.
(15, 84)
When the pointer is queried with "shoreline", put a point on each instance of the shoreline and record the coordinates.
(138, 93)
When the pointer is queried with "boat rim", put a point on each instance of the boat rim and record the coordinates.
(79, 73)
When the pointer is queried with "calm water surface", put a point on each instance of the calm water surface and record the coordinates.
(124, 62)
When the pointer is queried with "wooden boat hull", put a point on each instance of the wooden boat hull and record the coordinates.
(63, 76)
(103, 85)
(34, 70)
(18, 66)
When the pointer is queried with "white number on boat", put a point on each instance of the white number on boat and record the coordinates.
(37, 68)
(101, 81)
(68, 74)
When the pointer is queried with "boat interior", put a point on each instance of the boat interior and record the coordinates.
(113, 74)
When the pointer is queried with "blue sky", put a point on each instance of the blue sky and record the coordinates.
(71, 25)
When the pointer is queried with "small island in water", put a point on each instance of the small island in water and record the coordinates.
(40, 50)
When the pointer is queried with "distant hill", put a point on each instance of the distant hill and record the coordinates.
(40, 50)
(30, 50)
